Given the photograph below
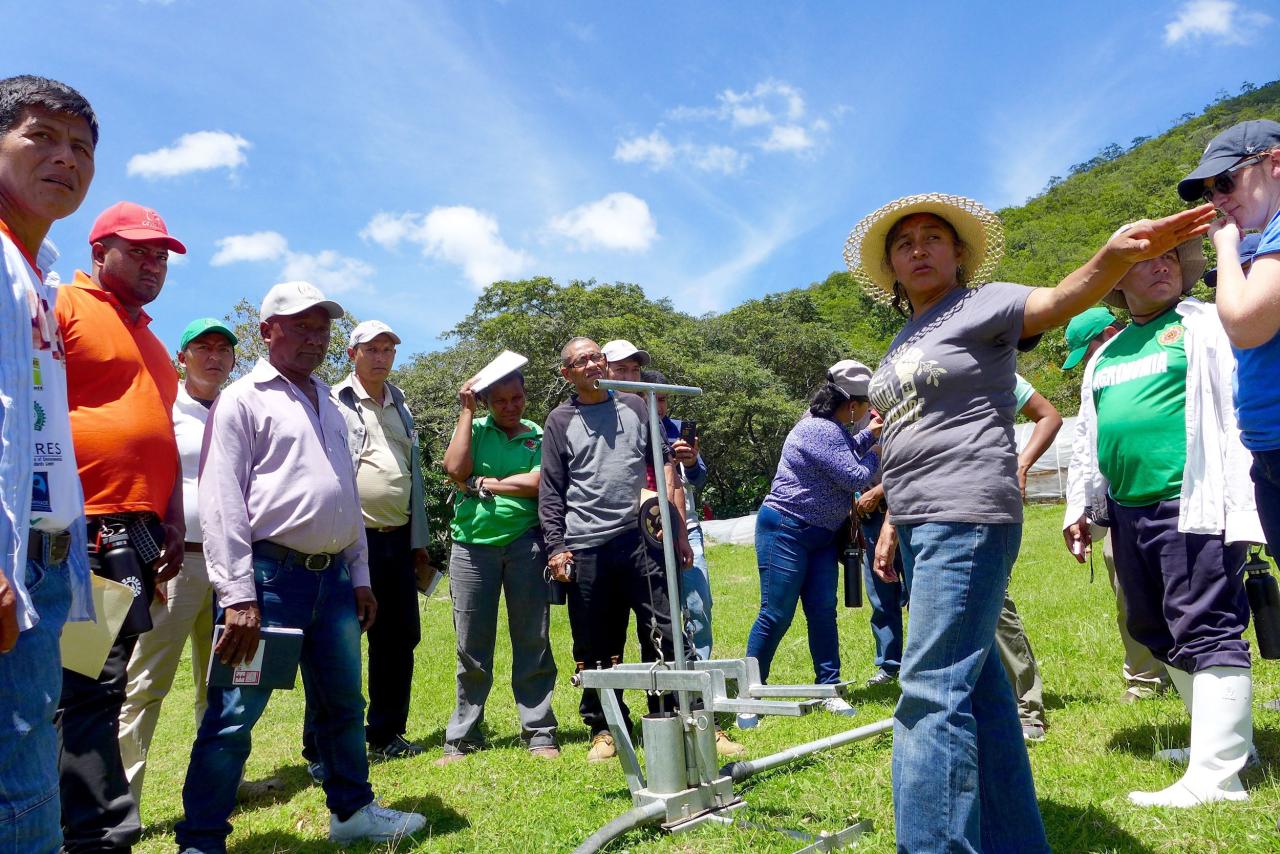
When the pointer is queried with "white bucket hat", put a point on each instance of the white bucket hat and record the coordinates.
(980, 230)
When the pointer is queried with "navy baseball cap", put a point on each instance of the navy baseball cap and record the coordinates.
(1248, 248)
(1226, 149)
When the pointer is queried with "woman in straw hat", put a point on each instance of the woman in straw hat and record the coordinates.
(961, 778)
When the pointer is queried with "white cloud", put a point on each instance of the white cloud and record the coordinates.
(1223, 21)
(193, 152)
(719, 158)
(760, 105)
(328, 270)
(653, 149)
(787, 138)
(259, 246)
(458, 235)
(617, 221)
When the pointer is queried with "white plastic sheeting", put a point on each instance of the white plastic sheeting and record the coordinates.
(1047, 481)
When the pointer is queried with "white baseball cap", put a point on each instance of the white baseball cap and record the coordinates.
(369, 330)
(288, 298)
(621, 348)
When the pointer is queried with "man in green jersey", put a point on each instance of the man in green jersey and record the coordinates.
(1163, 455)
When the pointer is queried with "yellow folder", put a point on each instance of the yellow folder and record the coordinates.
(85, 645)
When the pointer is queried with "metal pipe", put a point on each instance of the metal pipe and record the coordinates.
(745, 768)
(629, 820)
(642, 388)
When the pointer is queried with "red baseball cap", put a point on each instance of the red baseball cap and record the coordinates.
(134, 222)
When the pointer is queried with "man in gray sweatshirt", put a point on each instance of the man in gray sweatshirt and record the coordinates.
(595, 448)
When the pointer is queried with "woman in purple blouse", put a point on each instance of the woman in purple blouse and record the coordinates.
(822, 466)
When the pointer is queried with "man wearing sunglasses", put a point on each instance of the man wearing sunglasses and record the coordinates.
(1240, 173)
(595, 450)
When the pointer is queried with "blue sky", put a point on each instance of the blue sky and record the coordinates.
(402, 154)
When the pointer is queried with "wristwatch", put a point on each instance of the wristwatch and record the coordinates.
(474, 487)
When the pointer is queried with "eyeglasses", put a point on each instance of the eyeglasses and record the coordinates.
(1225, 182)
(585, 359)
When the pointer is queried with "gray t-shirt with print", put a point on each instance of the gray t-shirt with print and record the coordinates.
(946, 392)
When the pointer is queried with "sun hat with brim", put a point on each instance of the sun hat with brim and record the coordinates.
(1191, 260)
(1248, 248)
(1081, 331)
(200, 326)
(979, 229)
(1226, 150)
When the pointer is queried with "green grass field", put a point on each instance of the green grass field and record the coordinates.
(504, 800)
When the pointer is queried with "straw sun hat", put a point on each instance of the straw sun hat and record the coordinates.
(979, 229)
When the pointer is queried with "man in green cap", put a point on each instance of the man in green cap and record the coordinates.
(1144, 676)
(184, 605)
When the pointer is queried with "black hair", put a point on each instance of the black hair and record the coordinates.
(515, 376)
(21, 93)
(827, 400)
(653, 376)
(901, 302)
(564, 351)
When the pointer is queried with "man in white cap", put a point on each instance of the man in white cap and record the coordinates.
(625, 360)
(384, 454)
(285, 546)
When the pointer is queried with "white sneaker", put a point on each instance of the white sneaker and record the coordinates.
(376, 822)
(837, 706)
(748, 721)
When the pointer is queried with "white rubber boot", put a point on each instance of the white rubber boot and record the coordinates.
(1221, 737)
(1182, 681)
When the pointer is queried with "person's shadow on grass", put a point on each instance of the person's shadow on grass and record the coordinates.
(1072, 828)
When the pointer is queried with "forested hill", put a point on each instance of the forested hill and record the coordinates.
(1058, 230)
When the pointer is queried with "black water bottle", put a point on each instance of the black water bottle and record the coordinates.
(851, 559)
(119, 562)
(1264, 602)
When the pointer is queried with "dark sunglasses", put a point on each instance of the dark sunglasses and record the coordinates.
(1225, 182)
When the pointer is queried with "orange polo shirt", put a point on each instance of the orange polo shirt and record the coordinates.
(121, 387)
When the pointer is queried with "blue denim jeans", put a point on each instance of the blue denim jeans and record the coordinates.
(961, 777)
(887, 599)
(797, 563)
(30, 684)
(1265, 474)
(695, 589)
(322, 604)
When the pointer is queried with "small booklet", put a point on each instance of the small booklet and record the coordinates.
(274, 665)
(502, 364)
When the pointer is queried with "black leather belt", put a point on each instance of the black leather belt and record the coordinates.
(193, 548)
(318, 562)
(59, 545)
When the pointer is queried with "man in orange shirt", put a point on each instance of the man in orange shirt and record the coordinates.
(121, 388)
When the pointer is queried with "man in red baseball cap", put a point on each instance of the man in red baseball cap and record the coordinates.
(121, 388)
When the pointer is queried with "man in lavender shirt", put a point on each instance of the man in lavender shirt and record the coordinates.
(285, 547)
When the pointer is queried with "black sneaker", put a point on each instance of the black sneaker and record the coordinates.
(397, 748)
(882, 677)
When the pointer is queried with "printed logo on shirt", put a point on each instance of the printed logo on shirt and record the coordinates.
(40, 497)
(902, 405)
(40, 418)
(47, 454)
(37, 378)
(531, 444)
(1172, 335)
(1147, 366)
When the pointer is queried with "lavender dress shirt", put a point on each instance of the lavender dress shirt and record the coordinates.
(274, 468)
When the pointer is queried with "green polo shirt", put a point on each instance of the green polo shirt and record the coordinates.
(501, 519)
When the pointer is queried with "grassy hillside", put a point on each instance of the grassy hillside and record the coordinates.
(1055, 232)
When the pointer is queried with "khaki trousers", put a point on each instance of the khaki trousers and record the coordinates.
(1141, 668)
(186, 612)
(1020, 664)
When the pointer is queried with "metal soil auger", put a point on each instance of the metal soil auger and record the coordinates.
(684, 785)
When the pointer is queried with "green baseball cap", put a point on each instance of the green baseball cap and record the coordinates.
(200, 326)
(1082, 329)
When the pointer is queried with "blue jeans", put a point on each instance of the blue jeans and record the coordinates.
(695, 588)
(322, 604)
(1265, 474)
(961, 777)
(30, 685)
(887, 599)
(797, 563)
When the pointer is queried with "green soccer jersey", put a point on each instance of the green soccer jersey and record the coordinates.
(1140, 391)
(498, 520)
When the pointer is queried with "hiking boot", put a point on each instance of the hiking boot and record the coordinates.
(376, 823)
(253, 790)
(882, 677)
(726, 746)
(547, 751)
(602, 747)
(396, 748)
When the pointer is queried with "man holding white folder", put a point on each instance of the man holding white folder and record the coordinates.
(285, 546)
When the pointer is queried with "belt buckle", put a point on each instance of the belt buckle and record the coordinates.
(323, 565)
(59, 546)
